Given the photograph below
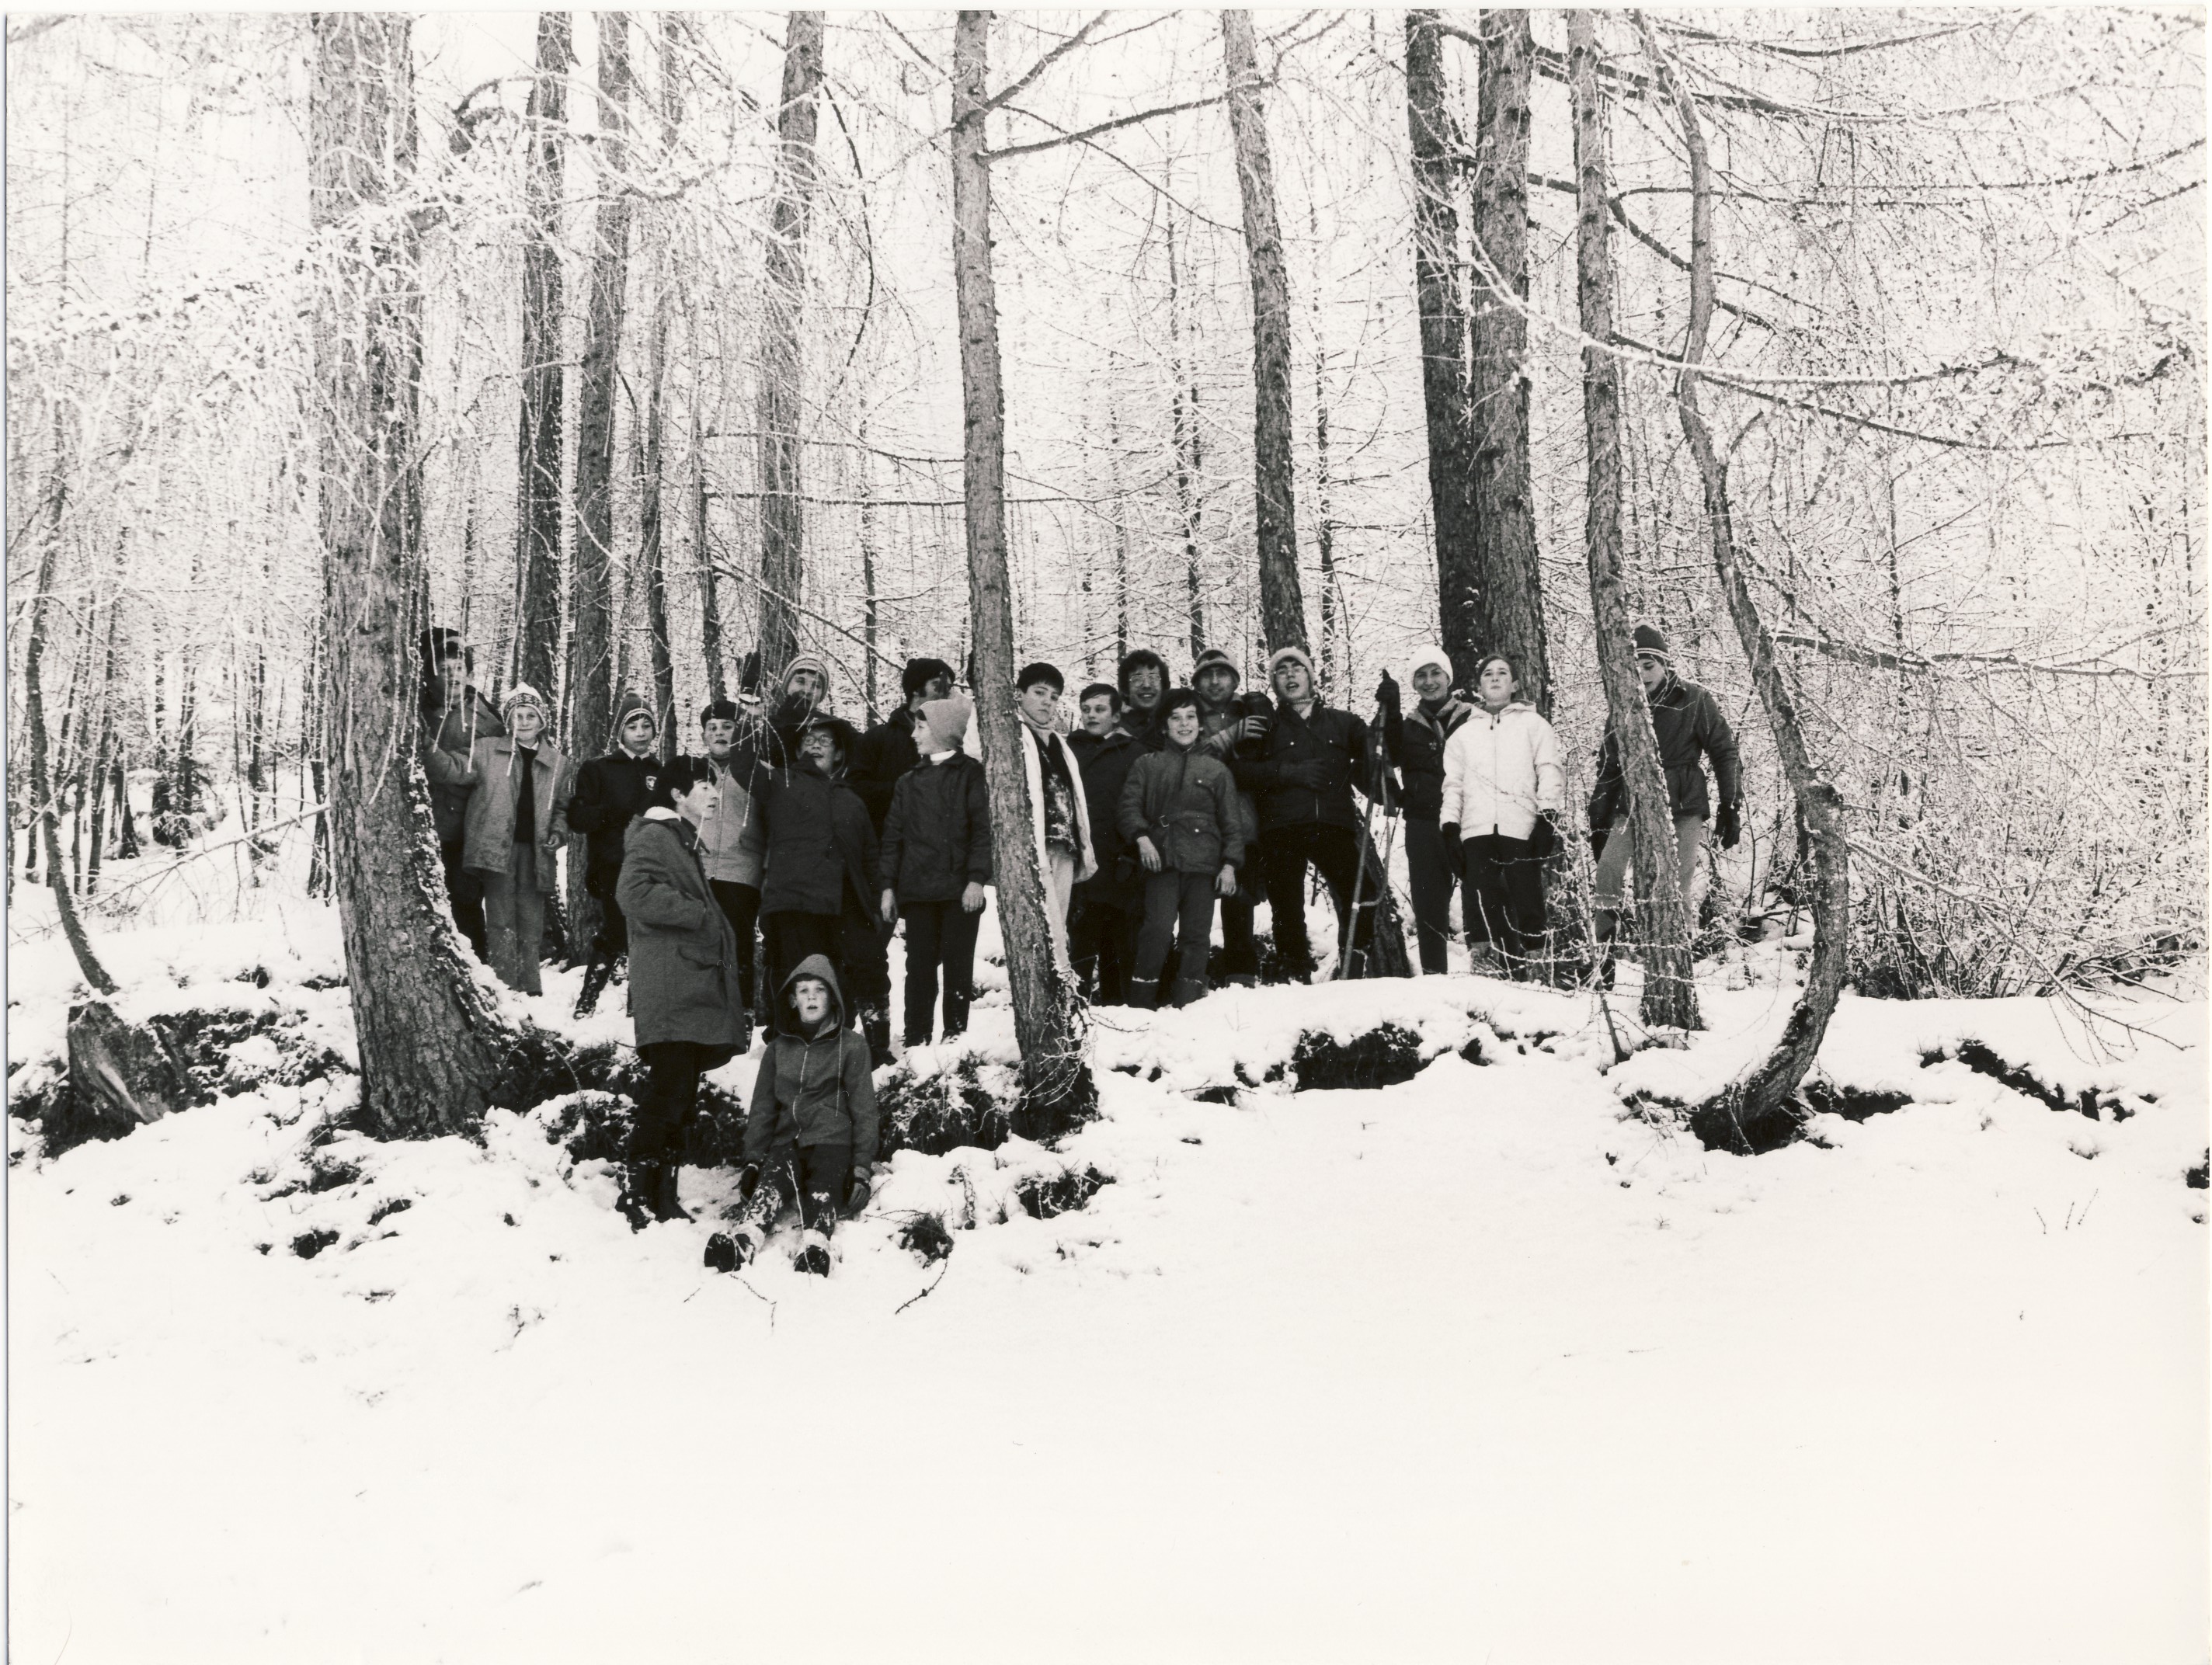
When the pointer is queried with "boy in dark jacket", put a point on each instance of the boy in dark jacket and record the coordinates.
(892, 747)
(811, 1128)
(1414, 743)
(1228, 722)
(455, 716)
(936, 861)
(1103, 915)
(1179, 810)
(1143, 676)
(610, 793)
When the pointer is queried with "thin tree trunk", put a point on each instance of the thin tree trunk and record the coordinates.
(1766, 1091)
(1461, 596)
(870, 620)
(1186, 450)
(1282, 604)
(1504, 494)
(1670, 996)
(1058, 1089)
(184, 794)
(1120, 524)
(783, 508)
(538, 553)
(427, 1035)
(710, 606)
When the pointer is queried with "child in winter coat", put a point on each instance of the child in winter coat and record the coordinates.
(1179, 809)
(518, 784)
(812, 1129)
(936, 861)
(1499, 813)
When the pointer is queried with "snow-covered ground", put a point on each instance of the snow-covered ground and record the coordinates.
(1478, 1366)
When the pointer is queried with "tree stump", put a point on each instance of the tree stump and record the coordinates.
(122, 1076)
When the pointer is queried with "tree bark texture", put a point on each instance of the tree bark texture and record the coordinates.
(1282, 604)
(1663, 924)
(1461, 599)
(538, 616)
(1767, 1092)
(782, 505)
(650, 539)
(1504, 497)
(1058, 1089)
(1187, 457)
(428, 1033)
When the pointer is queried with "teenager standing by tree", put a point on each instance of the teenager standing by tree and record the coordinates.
(1059, 810)
(1499, 813)
(936, 861)
(611, 792)
(1107, 907)
(1414, 742)
(1228, 721)
(1179, 810)
(517, 782)
(453, 721)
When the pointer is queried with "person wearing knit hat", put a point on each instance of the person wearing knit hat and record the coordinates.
(1142, 677)
(936, 861)
(452, 724)
(892, 747)
(1503, 792)
(1301, 774)
(1059, 811)
(514, 825)
(1414, 742)
(610, 793)
(728, 844)
(1227, 721)
(1105, 911)
(1687, 722)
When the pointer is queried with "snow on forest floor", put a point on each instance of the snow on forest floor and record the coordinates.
(1477, 1365)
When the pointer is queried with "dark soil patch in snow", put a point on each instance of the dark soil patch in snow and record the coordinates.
(390, 1205)
(329, 1176)
(593, 1126)
(927, 1235)
(540, 1065)
(308, 1244)
(1217, 1095)
(1720, 1124)
(1044, 1195)
(2200, 1176)
(1852, 1104)
(1983, 1061)
(1378, 1058)
(938, 1114)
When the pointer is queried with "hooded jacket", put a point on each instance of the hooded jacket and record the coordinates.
(1687, 722)
(816, 839)
(937, 838)
(814, 1088)
(683, 954)
(1186, 803)
(495, 791)
(1501, 770)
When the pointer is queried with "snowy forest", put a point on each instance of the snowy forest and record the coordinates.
(1856, 355)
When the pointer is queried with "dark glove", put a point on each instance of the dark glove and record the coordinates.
(749, 1179)
(857, 1193)
(1729, 826)
(1311, 774)
(1386, 696)
(1455, 852)
(1544, 836)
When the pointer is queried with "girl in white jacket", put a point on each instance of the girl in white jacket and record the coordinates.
(1502, 790)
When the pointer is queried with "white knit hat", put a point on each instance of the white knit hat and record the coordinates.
(1293, 652)
(1427, 655)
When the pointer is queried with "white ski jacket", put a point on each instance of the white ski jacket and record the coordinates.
(1501, 768)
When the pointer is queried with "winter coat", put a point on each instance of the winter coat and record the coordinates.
(937, 838)
(1501, 768)
(729, 845)
(818, 841)
(448, 742)
(885, 754)
(1687, 722)
(1150, 733)
(814, 1088)
(1415, 743)
(610, 793)
(683, 971)
(1105, 762)
(1336, 740)
(1186, 803)
(494, 790)
(1219, 736)
(1086, 855)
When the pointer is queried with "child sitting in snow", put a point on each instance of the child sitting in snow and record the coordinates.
(811, 1128)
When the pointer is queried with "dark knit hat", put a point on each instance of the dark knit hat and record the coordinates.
(718, 711)
(919, 674)
(635, 705)
(1210, 659)
(1037, 671)
(1099, 688)
(1136, 659)
(1649, 641)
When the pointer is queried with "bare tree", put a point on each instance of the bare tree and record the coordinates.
(537, 532)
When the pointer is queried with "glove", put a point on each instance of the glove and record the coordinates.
(857, 1192)
(1729, 826)
(1455, 852)
(749, 1178)
(1544, 836)
(1386, 696)
(1312, 775)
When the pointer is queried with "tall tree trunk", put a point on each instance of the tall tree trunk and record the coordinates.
(651, 562)
(1282, 605)
(782, 507)
(537, 554)
(1058, 1089)
(1670, 997)
(590, 691)
(1462, 597)
(1186, 450)
(1764, 1094)
(870, 620)
(1505, 495)
(710, 605)
(427, 1035)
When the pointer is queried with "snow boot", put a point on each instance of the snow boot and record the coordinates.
(1144, 994)
(813, 1254)
(1188, 989)
(641, 1183)
(721, 1253)
(1242, 980)
(596, 974)
(667, 1199)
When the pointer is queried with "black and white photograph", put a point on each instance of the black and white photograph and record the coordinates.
(1056, 837)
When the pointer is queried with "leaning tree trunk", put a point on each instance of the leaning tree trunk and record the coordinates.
(1504, 498)
(782, 507)
(1460, 591)
(538, 616)
(1058, 1091)
(1670, 995)
(1282, 604)
(427, 1035)
(1764, 1094)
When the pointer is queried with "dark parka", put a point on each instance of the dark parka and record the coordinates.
(885, 754)
(611, 792)
(495, 793)
(1105, 761)
(1415, 743)
(1186, 803)
(1688, 723)
(1219, 735)
(937, 837)
(1336, 740)
(814, 1088)
(683, 954)
(455, 734)
(818, 839)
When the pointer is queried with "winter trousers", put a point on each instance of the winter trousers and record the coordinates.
(515, 920)
(1180, 906)
(612, 942)
(938, 935)
(1428, 866)
(740, 905)
(465, 891)
(1240, 953)
(1101, 938)
(1284, 854)
(811, 1178)
(1504, 898)
(672, 1093)
(1613, 866)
